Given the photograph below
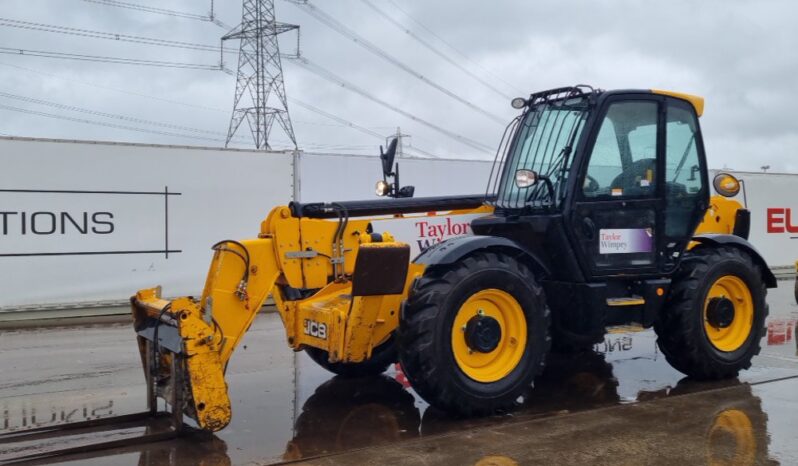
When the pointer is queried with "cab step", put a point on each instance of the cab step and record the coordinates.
(626, 301)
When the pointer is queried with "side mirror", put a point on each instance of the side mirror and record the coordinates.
(386, 186)
(387, 158)
(406, 191)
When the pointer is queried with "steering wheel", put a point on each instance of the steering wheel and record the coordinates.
(591, 185)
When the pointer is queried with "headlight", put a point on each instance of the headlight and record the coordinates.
(726, 185)
(382, 188)
(525, 178)
(518, 103)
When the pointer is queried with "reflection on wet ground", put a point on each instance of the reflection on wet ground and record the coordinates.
(286, 408)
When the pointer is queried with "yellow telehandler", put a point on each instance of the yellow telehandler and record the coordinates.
(597, 214)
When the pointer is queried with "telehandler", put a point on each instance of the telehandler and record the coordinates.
(592, 219)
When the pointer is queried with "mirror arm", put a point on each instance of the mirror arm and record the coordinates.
(549, 187)
(395, 185)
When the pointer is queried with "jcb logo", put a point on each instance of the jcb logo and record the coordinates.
(315, 329)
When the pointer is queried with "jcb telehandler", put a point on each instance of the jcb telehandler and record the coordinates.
(592, 219)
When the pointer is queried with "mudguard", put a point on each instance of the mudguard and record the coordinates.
(454, 249)
(742, 243)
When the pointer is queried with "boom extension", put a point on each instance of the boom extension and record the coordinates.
(187, 328)
(337, 286)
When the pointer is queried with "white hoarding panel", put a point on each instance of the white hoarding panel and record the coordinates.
(351, 177)
(773, 202)
(82, 222)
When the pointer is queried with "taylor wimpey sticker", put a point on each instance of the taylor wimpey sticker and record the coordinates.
(625, 240)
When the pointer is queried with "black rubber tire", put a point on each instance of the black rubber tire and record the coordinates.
(381, 358)
(346, 413)
(796, 288)
(680, 327)
(424, 337)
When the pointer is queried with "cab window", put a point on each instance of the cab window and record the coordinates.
(681, 154)
(623, 159)
(683, 172)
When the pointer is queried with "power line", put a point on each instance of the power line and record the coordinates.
(106, 115)
(8, 22)
(104, 59)
(335, 79)
(355, 126)
(144, 130)
(433, 49)
(109, 125)
(330, 76)
(113, 89)
(150, 122)
(371, 47)
(210, 17)
(341, 121)
(150, 9)
(148, 41)
(453, 48)
(120, 60)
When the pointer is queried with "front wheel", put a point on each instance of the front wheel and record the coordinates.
(474, 334)
(715, 315)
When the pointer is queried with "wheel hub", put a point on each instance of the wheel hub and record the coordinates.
(483, 334)
(720, 312)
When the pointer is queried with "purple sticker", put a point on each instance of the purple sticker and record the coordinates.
(625, 240)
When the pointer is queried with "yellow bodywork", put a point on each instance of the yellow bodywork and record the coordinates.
(696, 101)
(294, 253)
(720, 216)
(301, 256)
(718, 219)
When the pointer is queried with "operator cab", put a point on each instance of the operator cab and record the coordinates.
(611, 182)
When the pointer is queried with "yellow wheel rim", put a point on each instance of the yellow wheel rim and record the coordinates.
(731, 338)
(496, 364)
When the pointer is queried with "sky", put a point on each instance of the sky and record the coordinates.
(741, 56)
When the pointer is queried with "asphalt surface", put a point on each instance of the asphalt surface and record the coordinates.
(622, 404)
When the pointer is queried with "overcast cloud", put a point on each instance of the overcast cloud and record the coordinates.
(741, 56)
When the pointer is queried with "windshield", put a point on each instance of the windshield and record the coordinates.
(543, 142)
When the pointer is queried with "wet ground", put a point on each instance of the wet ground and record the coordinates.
(621, 404)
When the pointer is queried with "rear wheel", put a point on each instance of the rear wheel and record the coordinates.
(381, 358)
(715, 314)
(796, 282)
(474, 334)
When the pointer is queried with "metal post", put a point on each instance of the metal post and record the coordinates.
(177, 392)
(152, 401)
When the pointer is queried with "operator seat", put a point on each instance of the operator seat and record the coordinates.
(634, 180)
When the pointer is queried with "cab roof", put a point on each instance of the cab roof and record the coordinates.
(696, 101)
(562, 93)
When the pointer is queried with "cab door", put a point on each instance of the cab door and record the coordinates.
(616, 215)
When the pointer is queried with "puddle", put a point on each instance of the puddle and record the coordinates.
(285, 407)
